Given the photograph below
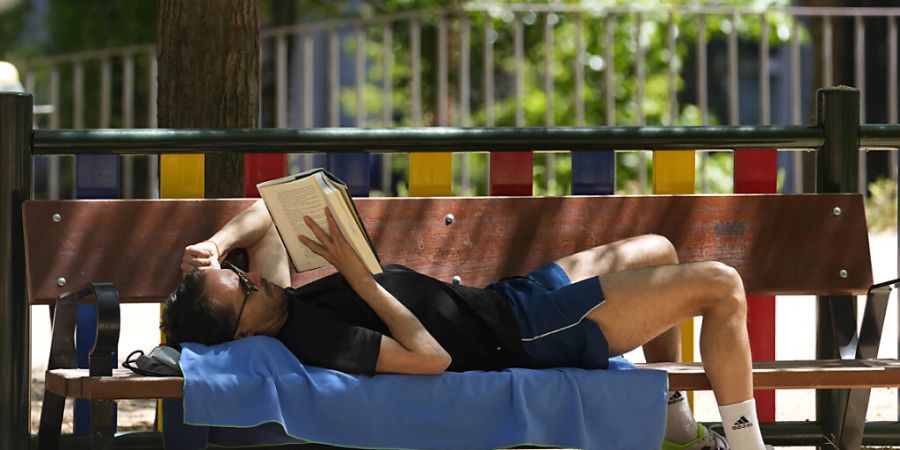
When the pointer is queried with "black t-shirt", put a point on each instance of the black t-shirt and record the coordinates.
(329, 325)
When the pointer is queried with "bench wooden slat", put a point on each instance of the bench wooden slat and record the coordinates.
(829, 374)
(124, 384)
(821, 374)
(785, 244)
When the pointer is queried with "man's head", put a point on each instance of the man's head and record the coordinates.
(217, 305)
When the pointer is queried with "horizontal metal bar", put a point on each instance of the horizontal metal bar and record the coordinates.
(93, 54)
(879, 135)
(353, 22)
(686, 9)
(879, 149)
(152, 141)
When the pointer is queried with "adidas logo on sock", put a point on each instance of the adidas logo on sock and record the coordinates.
(676, 397)
(741, 423)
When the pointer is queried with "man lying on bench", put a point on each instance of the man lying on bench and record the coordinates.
(405, 322)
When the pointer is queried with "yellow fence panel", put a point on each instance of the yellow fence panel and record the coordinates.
(181, 176)
(674, 172)
(430, 174)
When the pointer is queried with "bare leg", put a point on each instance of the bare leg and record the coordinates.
(643, 303)
(633, 253)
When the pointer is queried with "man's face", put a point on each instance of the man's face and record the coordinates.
(265, 308)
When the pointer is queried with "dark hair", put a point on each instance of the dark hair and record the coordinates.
(190, 316)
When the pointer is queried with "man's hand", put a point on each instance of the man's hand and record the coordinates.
(410, 347)
(203, 255)
(335, 249)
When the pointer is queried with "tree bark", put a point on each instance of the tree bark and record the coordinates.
(208, 76)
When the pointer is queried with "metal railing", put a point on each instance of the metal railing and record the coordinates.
(311, 66)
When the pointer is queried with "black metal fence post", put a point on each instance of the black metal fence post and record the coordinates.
(837, 170)
(15, 320)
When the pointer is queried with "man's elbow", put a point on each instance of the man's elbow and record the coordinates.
(439, 363)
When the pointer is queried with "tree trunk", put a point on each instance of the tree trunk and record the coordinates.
(208, 54)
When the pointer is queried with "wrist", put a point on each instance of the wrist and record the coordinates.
(361, 281)
(217, 246)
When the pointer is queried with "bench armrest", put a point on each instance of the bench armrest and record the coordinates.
(872, 323)
(884, 285)
(62, 344)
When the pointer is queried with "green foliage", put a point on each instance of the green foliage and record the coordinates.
(881, 205)
(89, 25)
(654, 45)
(715, 172)
(561, 165)
(714, 175)
(12, 23)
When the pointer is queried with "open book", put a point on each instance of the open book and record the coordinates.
(307, 194)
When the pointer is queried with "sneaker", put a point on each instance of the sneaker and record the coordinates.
(706, 440)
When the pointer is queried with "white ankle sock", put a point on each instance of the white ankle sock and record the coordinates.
(741, 425)
(681, 427)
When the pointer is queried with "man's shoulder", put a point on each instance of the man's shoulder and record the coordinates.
(395, 267)
(400, 271)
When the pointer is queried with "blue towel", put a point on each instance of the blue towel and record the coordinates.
(257, 381)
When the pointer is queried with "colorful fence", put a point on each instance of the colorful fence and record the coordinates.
(491, 64)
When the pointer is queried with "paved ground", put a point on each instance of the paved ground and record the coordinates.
(795, 328)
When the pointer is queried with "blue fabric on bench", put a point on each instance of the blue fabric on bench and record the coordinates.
(256, 381)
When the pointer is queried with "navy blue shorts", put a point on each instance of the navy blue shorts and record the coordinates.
(550, 311)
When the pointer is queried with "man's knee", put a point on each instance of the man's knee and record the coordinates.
(725, 287)
(663, 249)
(647, 250)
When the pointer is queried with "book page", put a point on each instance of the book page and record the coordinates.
(287, 204)
(349, 201)
(345, 216)
(289, 199)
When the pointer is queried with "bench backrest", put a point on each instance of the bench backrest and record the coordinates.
(781, 244)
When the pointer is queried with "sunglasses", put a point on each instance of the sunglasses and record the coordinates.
(246, 285)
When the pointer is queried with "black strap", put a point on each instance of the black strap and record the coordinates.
(131, 364)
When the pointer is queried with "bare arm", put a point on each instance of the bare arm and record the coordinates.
(411, 349)
(242, 231)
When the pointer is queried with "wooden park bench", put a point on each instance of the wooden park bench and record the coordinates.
(780, 244)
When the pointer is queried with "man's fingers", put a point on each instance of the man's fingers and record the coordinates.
(336, 234)
(202, 261)
(332, 224)
(187, 266)
(320, 234)
(316, 247)
(189, 257)
(197, 251)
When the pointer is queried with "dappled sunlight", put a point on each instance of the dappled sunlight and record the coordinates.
(135, 244)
